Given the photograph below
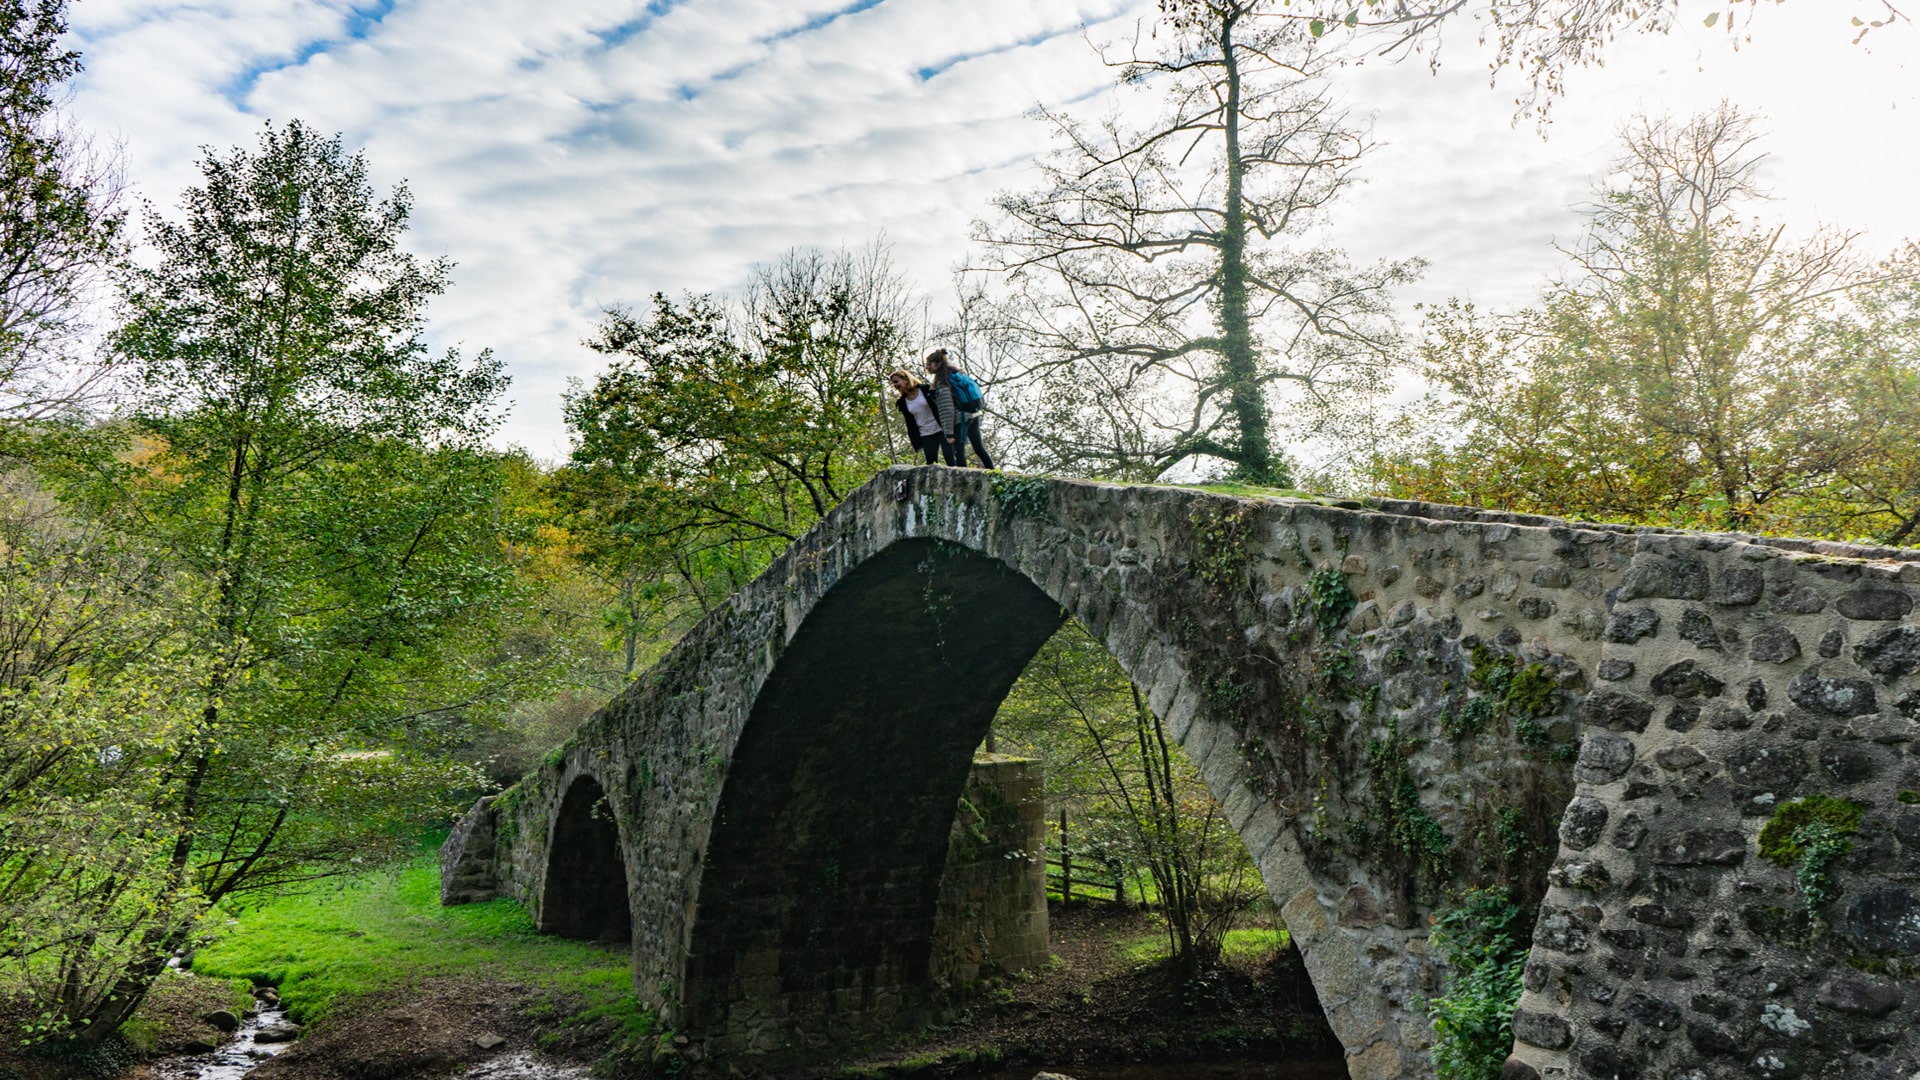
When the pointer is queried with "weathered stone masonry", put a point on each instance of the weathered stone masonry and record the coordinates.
(1394, 701)
(992, 912)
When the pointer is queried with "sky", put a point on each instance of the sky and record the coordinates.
(569, 155)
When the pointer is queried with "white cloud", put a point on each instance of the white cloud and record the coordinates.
(574, 155)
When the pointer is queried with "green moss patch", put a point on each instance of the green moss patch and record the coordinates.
(1811, 834)
(1777, 838)
(1021, 496)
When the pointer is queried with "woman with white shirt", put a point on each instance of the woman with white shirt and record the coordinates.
(924, 428)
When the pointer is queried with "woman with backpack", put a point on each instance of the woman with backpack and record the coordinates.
(927, 431)
(967, 403)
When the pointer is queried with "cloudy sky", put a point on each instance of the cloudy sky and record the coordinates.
(571, 154)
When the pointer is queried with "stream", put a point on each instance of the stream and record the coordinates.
(1334, 1069)
(234, 1058)
(238, 1056)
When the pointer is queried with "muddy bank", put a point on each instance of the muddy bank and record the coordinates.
(441, 1027)
(1096, 1006)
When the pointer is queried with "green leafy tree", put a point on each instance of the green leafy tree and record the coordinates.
(317, 471)
(716, 438)
(94, 665)
(1159, 280)
(1694, 367)
(1484, 941)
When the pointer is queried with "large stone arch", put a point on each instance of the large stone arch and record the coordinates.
(583, 888)
(817, 894)
(1387, 698)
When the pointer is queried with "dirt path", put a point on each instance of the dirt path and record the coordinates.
(1095, 1004)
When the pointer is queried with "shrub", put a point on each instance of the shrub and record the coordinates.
(1484, 941)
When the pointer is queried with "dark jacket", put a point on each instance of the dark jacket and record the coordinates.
(914, 438)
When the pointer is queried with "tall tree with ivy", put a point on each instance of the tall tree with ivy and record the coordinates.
(1543, 39)
(304, 455)
(1160, 278)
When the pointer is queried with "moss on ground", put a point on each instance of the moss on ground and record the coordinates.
(1254, 491)
(1248, 946)
(174, 1012)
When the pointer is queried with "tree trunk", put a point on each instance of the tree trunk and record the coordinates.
(1240, 366)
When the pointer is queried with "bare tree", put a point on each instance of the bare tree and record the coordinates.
(60, 221)
(1541, 38)
(1694, 365)
(1158, 279)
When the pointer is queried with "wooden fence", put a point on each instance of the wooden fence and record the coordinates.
(1094, 880)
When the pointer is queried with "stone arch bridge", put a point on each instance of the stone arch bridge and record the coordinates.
(1394, 701)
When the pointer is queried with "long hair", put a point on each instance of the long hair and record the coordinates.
(912, 383)
(938, 358)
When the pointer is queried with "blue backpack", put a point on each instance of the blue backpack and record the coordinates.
(966, 392)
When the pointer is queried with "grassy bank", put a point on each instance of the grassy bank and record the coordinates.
(397, 986)
(387, 931)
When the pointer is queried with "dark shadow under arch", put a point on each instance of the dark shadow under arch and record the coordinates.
(585, 894)
(817, 896)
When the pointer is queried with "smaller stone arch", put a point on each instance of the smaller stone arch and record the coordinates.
(584, 894)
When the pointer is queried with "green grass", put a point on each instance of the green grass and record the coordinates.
(1254, 491)
(385, 929)
(1247, 945)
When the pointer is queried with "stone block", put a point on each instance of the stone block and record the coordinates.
(1379, 1061)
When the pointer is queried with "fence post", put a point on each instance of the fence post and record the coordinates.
(1066, 863)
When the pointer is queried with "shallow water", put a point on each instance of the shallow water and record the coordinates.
(234, 1059)
(523, 1065)
(1334, 1069)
